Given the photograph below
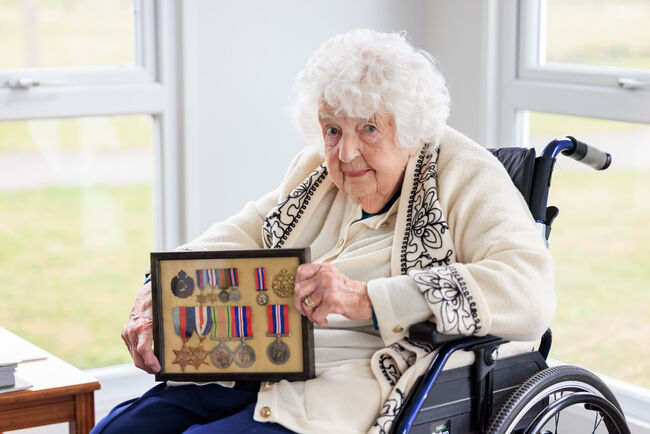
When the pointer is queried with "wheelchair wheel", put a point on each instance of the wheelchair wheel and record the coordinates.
(547, 402)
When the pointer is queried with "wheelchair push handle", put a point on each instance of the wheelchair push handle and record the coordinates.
(579, 151)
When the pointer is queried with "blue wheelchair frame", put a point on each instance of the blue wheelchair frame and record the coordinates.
(534, 185)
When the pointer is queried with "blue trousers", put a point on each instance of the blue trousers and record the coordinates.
(190, 409)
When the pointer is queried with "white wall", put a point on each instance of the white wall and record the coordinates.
(240, 59)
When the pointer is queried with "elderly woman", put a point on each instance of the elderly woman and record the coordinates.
(407, 220)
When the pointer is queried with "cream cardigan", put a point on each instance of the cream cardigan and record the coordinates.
(460, 248)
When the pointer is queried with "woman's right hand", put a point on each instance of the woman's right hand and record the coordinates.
(138, 332)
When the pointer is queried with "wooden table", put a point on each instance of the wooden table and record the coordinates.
(60, 392)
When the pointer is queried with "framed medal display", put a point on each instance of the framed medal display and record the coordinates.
(229, 315)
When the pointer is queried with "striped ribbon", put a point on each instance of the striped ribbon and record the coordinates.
(206, 277)
(200, 280)
(223, 278)
(260, 279)
(202, 320)
(278, 315)
(212, 277)
(233, 277)
(241, 321)
(221, 322)
(183, 321)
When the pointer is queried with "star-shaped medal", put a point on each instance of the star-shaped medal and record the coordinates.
(202, 298)
(183, 357)
(198, 355)
(214, 297)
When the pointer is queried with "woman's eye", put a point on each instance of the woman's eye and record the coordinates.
(332, 131)
(369, 128)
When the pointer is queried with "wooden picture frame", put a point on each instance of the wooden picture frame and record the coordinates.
(210, 323)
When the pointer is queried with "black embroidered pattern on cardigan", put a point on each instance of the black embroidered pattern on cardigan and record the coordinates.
(446, 291)
(389, 369)
(425, 223)
(279, 223)
(389, 411)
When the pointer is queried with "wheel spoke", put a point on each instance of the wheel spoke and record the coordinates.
(598, 419)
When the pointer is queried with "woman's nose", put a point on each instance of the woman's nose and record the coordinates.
(349, 147)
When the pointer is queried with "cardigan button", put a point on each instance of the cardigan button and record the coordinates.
(265, 412)
(383, 224)
(340, 243)
(267, 386)
(398, 329)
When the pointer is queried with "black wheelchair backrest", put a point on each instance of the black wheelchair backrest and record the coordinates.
(520, 165)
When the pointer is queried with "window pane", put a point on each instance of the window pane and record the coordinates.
(61, 33)
(76, 229)
(600, 245)
(605, 33)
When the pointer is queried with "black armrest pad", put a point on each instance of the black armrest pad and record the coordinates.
(426, 333)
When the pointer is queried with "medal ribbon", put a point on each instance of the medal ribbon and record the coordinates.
(260, 279)
(202, 320)
(222, 326)
(278, 315)
(212, 277)
(183, 321)
(223, 278)
(241, 321)
(233, 277)
(200, 281)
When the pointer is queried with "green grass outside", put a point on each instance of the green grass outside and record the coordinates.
(610, 33)
(69, 281)
(600, 246)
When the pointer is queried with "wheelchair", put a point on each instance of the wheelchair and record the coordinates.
(518, 394)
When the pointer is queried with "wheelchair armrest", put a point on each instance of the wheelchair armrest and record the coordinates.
(426, 333)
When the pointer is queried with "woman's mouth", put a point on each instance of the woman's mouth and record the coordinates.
(356, 173)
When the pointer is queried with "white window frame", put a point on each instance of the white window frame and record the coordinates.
(150, 87)
(556, 88)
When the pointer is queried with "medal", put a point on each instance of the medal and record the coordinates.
(283, 284)
(203, 324)
(242, 328)
(224, 297)
(182, 285)
(244, 355)
(184, 327)
(201, 281)
(278, 315)
(233, 281)
(206, 277)
(262, 299)
(221, 356)
(260, 282)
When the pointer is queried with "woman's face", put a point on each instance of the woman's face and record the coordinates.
(362, 157)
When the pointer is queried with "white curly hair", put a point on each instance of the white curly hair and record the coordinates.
(364, 72)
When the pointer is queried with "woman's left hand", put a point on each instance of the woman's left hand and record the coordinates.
(330, 291)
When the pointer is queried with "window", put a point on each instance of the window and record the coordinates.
(89, 163)
(580, 68)
(76, 221)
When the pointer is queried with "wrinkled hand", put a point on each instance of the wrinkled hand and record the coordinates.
(138, 332)
(332, 292)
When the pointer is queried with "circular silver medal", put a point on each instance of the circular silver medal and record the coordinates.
(278, 352)
(221, 356)
(235, 294)
(262, 298)
(224, 297)
(244, 355)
